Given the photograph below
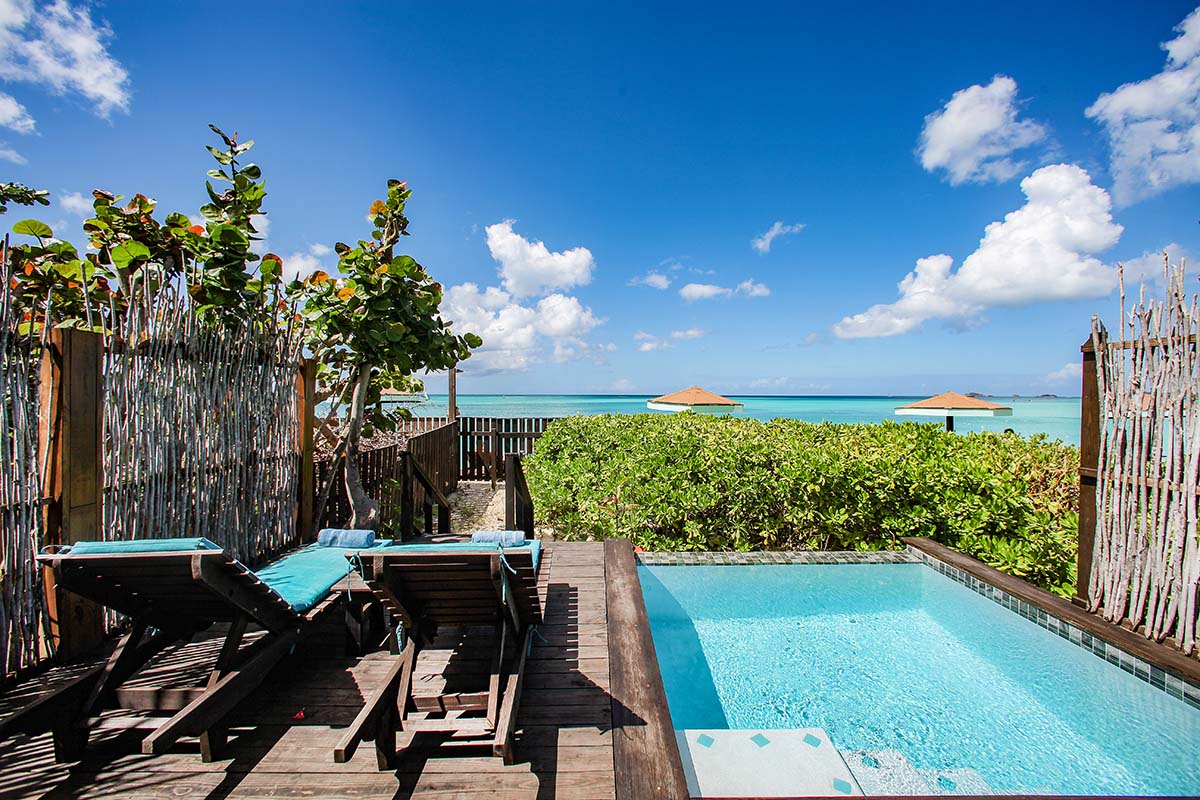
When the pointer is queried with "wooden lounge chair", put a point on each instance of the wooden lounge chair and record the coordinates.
(422, 587)
(172, 589)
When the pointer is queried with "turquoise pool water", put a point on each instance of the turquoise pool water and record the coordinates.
(895, 657)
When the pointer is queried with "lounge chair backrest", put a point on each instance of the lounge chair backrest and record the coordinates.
(456, 588)
(179, 591)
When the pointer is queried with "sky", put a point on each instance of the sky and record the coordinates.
(843, 198)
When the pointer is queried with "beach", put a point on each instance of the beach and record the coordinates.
(1056, 417)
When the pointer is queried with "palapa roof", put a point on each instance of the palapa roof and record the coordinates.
(695, 396)
(953, 401)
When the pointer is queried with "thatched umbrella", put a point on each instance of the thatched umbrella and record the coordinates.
(951, 405)
(693, 398)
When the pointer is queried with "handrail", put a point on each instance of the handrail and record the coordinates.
(518, 503)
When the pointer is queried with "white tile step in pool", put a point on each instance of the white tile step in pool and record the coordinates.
(889, 772)
(764, 763)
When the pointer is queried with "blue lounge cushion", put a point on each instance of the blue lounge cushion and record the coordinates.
(141, 546)
(346, 537)
(533, 545)
(306, 577)
(503, 538)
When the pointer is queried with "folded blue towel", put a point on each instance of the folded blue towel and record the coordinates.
(346, 537)
(502, 538)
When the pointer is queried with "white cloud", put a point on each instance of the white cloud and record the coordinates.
(59, 46)
(560, 317)
(763, 243)
(14, 116)
(622, 385)
(1148, 266)
(513, 334)
(973, 136)
(1040, 252)
(530, 268)
(811, 338)
(77, 204)
(703, 291)
(8, 154)
(320, 249)
(1153, 125)
(648, 342)
(690, 333)
(752, 289)
(300, 265)
(1070, 372)
(655, 280)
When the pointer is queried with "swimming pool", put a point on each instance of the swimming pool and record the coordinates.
(910, 681)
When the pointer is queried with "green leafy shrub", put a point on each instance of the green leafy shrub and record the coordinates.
(697, 482)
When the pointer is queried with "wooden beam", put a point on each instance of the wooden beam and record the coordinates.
(221, 698)
(502, 744)
(1089, 454)
(306, 387)
(646, 756)
(70, 439)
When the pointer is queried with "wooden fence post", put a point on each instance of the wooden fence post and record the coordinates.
(306, 388)
(406, 496)
(70, 440)
(1089, 454)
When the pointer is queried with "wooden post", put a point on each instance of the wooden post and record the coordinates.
(406, 496)
(306, 387)
(496, 460)
(70, 438)
(1089, 454)
(452, 409)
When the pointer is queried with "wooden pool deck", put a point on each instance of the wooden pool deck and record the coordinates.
(284, 747)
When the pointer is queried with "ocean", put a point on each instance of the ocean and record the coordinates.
(1057, 417)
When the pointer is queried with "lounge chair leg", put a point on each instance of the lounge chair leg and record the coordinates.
(70, 742)
(385, 741)
(212, 742)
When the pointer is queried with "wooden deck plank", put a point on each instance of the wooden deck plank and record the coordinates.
(563, 743)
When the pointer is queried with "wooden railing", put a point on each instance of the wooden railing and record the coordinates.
(518, 505)
(485, 441)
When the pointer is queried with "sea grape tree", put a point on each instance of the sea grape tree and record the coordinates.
(372, 329)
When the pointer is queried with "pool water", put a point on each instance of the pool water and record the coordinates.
(891, 658)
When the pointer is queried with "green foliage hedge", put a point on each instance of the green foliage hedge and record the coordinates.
(696, 482)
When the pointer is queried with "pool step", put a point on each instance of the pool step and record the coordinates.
(956, 781)
(886, 772)
(763, 763)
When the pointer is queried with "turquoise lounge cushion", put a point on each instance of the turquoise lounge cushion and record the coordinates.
(305, 577)
(534, 546)
(141, 546)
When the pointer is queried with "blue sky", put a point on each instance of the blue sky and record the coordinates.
(563, 155)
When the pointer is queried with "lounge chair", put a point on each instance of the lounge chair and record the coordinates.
(171, 589)
(422, 587)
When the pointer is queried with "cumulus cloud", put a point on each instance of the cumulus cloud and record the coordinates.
(301, 264)
(320, 249)
(648, 342)
(703, 291)
(1148, 266)
(763, 243)
(1042, 251)
(1153, 125)
(513, 334)
(750, 288)
(77, 204)
(60, 47)
(530, 268)
(14, 116)
(1071, 372)
(655, 280)
(10, 155)
(690, 333)
(972, 138)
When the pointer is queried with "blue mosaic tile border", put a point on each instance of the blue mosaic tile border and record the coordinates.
(1160, 679)
(780, 557)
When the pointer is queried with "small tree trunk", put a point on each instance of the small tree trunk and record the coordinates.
(364, 512)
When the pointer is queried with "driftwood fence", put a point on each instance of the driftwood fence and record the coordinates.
(23, 633)
(1139, 557)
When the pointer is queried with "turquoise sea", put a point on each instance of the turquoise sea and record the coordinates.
(1058, 418)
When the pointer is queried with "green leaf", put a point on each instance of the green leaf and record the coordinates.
(126, 253)
(32, 227)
